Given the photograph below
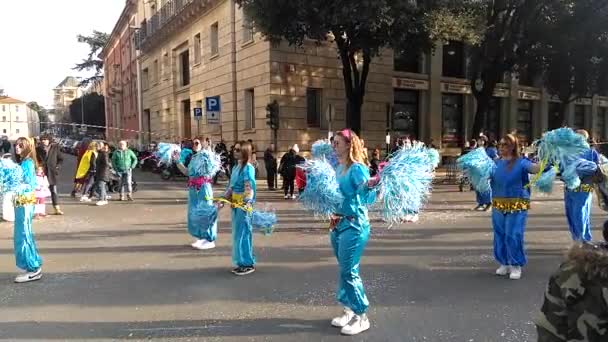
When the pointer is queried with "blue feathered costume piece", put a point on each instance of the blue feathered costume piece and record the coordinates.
(204, 215)
(10, 176)
(434, 157)
(545, 181)
(205, 164)
(560, 147)
(166, 152)
(322, 194)
(405, 183)
(323, 149)
(479, 168)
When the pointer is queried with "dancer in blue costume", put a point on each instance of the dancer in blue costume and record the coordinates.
(484, 199)
(511, 201)
(200, 191)
(578, 201)
(350, 231)
(26, 252)
(242, 191)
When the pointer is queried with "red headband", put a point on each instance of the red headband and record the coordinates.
(346, 133)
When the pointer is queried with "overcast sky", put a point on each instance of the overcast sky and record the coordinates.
(38, 46)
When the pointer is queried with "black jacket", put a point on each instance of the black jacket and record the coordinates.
(288, 164)
(102, 167)
(270, 161)
(51, 161)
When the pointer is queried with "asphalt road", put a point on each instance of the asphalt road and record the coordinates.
(126, 271)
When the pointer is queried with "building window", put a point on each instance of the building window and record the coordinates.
(4, 108)
(405, 112)
(579, 116)
(16, 108)
(249, 109)
(214, 39)
(17, 130)
(145, 79)
(184, 59)
(166, 66)
(16, 118)
(453, 59)
(155, 71)
(524, 121)
(247, 29)
(407, 62)
(4, 131)
(4, 118)
(197, 49)
(451, 110)
(313, 107)
(556, 117)
(601, 123)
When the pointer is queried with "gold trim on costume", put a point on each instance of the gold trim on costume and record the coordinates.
(583, 188)
(23, 200)
(510, 205)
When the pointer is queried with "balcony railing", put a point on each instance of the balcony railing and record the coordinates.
(158, 21)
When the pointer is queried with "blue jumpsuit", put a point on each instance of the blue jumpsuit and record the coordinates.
(242, 237)
(26, 252)
(485, 198)
(197, 195)
(351, 234)
(578, 204)
(510, 204)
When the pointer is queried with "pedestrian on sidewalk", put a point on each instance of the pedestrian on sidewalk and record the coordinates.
(287, 169)
(102, 176)
(124, 161)
(42, 192)
(82, 166)
(200, 193)
(270, 162)
(51, 158)
(26, 252)
(6, 145)
(242, 192)
(90, 174)
(350, 230)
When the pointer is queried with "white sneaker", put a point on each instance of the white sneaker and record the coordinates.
(414, 218)
(101, 203)
(515, 273)
(286, 197)
(293, 196)
(342, 321)
(196, 244)
(502, 270)
(204, 244)
(356, 326)
(108, 197)
(85, 199)
(408, 218)
(29, 276)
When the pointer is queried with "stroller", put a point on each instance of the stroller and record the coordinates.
(114, 184)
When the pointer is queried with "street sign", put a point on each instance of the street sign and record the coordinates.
(198, 113)
(213, 110)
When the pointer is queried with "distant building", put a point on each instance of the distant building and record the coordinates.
(17, 119)
(67, 91)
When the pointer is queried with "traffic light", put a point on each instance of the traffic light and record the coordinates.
(272, 114)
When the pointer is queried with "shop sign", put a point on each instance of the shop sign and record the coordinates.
(456, 88)
(410, 83)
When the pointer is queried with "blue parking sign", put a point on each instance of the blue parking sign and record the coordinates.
(213, 109)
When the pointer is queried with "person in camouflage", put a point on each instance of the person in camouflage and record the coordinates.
(575, 307)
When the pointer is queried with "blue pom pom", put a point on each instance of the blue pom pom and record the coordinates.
(11, 176)
(545, 181)
(322, 193)
(323, 149)
(479, 168)
(203, 215)
(558, 145)
(570, 177)
(405, 183)
(434, 157)
(205, 164)
(167, 152)
(264, 221)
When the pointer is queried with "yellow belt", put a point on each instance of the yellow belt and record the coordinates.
(583, 188)
(510, 205)
(236, 201)
(23, 200)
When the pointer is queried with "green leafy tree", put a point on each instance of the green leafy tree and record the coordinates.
(574, 49)
(42, 113)
(360, 30)
(96, 41)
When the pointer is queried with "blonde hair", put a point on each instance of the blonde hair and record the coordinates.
(516, 153)
(27, 150)
(357, 153)
(93, 146)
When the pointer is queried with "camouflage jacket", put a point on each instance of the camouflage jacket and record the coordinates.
(575, 307)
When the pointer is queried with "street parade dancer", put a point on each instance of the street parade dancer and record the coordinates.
(339, 186)
(200, 166)
(241, 192)
(26, 252)
(578, 201)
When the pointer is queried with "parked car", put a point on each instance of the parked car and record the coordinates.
(73, 148)
(65, 145)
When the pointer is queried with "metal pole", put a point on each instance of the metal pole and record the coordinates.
(275, 140)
